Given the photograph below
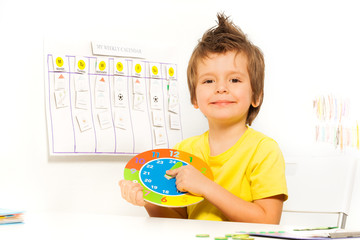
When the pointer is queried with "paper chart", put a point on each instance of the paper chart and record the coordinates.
(110, 105)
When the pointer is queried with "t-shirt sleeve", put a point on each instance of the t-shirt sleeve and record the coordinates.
(267, 171)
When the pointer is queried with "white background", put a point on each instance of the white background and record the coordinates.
(310, 47)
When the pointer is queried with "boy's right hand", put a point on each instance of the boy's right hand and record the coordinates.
(132, 192)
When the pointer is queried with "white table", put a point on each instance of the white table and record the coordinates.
(53, 226)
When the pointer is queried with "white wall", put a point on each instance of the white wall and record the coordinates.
(310, 48)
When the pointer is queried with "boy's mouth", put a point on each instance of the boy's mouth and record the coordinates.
(222, 102)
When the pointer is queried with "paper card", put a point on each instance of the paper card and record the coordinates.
(139, 85)
(100, 84)
(175, 121)
(156, 100)
(61, 98)
(101, 100)
(84, 121)
(82, 100)
(120, 99)
(160, 136)
(139, 102)
(173, 104)
(121, 120)
(155, 70)
(60, 81)
(120, 67)
(60, 63)
(120, 92)
(101, 66)
(138, 69)
(173, 88)
(81, 83)
(156, 96)
(81, 65)
(171, 72)
(158, 118)
(120, 83)
(155, 85)
(105, 120)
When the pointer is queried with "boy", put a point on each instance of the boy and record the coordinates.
(226, 79)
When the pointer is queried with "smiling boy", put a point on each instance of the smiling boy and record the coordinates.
(226, 82)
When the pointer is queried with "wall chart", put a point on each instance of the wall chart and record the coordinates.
(110, 104)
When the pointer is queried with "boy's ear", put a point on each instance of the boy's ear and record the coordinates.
(195, 105)
(256, 103)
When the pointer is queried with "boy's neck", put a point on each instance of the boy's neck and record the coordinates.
(223, 137)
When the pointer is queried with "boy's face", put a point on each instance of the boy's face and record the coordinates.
(223, 91)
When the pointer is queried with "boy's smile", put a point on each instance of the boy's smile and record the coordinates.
(223, 91)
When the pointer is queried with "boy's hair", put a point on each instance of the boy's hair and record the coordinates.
(221, 39)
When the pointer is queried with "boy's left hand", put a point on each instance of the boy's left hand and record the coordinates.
(189, 179)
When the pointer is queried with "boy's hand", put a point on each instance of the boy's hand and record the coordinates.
(189, 179)
(132, 192)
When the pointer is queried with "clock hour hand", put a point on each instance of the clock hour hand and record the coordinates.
(176, 165)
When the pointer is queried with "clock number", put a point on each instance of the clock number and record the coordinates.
(166, 191)
(141, 160)
(203, 170)
(190, 159)
(148, 180)
(156, 154)
(174, 154)
(133, 170)
(172, 161)
(164, 199)
(149, 166)
(154, 187)
(146, 192)
(146, 173)
(159, 162)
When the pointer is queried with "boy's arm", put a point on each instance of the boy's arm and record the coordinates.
(267, 210)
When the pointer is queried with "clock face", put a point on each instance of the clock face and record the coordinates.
(149, 169)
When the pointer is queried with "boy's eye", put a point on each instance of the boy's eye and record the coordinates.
(208, 81)
(235, 80)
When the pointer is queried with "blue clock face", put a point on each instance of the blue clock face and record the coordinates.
(153, 176)
(149, 169)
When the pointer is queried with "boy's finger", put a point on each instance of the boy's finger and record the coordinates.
(173, 172)
(140, 199)
(133, 193)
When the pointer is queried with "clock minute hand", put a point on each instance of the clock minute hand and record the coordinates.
(176, 165)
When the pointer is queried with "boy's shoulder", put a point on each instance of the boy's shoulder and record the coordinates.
(194, 141)
(259, 137)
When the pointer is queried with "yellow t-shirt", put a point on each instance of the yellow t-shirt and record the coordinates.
(253, 168)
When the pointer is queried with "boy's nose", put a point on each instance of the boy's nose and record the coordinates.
(221, 88)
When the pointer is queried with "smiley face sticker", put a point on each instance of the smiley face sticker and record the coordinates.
(155, 70)
(119, 66)
(60, 63)
(171, 71)
(138, 68)
(81, 64)
(102, 66)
